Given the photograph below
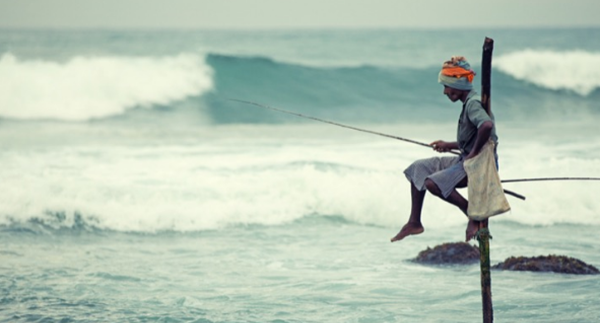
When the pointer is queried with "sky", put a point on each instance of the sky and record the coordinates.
(286, 14)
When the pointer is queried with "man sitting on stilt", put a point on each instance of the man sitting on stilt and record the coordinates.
(442, 175)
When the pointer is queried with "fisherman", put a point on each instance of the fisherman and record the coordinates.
(442, 175)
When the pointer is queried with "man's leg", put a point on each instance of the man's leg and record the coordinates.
(459, 201)
(413, 226)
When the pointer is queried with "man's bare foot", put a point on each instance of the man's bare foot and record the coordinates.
(472, 228)
(407, 230)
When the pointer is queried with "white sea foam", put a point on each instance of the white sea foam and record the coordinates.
(274, 175)
(95, 87)
(577, 71)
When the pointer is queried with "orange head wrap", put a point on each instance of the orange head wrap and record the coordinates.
(457, 73)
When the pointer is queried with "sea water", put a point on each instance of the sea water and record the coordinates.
(136, 190)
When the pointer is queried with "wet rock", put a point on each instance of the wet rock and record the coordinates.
(551, 263)
(449, 254)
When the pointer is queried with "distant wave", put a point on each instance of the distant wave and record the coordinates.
(375, 94)
(360, 93)
(577, 71)
(84, 88)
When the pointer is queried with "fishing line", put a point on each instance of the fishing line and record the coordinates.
(338, 124)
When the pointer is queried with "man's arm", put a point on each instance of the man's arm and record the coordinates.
(483, 135)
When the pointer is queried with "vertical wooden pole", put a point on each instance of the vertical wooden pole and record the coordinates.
(486, 277)
(486, 74)
(483, 235)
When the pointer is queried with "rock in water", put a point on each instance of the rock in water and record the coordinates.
(551, 263)
(449, 254)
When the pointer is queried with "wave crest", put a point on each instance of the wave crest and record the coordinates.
(577, 71)
(85, 88)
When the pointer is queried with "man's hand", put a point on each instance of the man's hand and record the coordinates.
(443, 146)
(483, 134)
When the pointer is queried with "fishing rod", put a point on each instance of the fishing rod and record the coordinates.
(337, 124)
(540, 179)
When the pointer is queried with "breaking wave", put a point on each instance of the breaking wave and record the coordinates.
(577, 71)
(85, 88)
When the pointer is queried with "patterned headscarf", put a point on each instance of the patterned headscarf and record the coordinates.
(457, 74)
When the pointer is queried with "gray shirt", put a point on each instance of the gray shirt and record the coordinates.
(472, 116)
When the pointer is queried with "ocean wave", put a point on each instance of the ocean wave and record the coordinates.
(577, 71)
(363, 93)
(218, 185)
(370, 94)
(85, 88)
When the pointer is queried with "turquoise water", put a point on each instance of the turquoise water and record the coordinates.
(312, 270)
(135, 191)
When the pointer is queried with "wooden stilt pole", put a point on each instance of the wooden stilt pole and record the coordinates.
(486, 277)
(486, 74)
(483, 236)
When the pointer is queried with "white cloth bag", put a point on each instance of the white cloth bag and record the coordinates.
(486, 196)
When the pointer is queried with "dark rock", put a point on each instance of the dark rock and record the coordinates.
(551, 263)
(449, 254)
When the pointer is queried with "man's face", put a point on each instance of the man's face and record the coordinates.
(452, 94)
